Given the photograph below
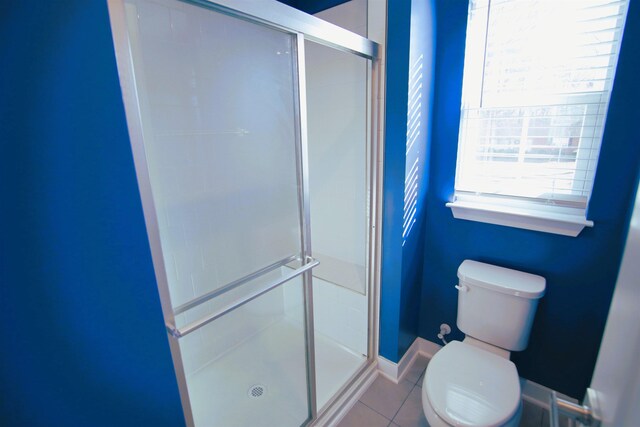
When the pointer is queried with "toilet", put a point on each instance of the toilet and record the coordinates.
(473, 382)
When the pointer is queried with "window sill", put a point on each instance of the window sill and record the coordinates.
(528, 219)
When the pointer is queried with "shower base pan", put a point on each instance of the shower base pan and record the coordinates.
(262, 382)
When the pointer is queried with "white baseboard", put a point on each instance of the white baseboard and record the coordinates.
(428, 348)
(388, 369)
(396, 371)
(531, 392)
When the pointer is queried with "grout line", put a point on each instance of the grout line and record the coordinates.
(403, 402)
(415, 384)
(383, 416)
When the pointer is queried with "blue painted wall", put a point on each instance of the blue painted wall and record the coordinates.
(580, 272)
(83, 336)
(410, 41)
(397, 84)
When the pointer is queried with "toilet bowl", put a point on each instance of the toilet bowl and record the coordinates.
(468, 386)
(473, 383)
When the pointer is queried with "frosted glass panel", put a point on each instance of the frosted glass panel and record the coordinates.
(337, 117)
(217, 103)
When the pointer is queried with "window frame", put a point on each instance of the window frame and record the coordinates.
(538, 214)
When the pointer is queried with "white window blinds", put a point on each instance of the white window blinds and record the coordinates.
(537, 82)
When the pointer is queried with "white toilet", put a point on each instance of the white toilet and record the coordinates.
(473, 382)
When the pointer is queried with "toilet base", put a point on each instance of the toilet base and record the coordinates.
(435, 420)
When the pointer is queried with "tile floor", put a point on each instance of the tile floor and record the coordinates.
(386, 404)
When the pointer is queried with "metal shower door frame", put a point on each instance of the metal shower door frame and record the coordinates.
(301, 26)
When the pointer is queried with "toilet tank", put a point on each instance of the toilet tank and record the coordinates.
(497, 305)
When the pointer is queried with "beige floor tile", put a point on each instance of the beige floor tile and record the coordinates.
(411, 413)
(363, 416)
(386, 397)
(416, 370)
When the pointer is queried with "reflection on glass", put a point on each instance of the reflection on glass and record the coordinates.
(218, 114)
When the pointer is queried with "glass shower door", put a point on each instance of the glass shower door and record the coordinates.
(337, 101)
(212, 105)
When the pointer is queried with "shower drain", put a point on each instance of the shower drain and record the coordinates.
(256, 391)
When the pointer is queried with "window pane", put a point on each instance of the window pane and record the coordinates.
(537, 82)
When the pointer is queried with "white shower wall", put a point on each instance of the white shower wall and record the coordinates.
(339, 314)
(208, 344)
(337, 134)
(337, 105)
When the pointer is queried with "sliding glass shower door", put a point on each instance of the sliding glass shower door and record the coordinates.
(213, 109)
(215, 98)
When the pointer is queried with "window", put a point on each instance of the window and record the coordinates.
(537, 82)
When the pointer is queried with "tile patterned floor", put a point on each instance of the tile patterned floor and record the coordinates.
(386, 404)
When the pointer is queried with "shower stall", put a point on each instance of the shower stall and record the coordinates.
(251, 126)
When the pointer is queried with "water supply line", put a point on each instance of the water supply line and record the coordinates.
(444, 330)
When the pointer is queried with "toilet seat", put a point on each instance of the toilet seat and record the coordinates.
(469, 386)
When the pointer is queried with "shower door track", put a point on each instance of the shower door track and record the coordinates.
(280, 16)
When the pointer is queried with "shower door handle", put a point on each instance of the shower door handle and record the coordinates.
(181, 332)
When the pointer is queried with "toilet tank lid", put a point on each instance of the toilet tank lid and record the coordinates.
(502, 279)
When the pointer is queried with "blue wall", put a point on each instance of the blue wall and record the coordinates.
(580, 272)
(397, 84)
(83, 336)
(410, 35)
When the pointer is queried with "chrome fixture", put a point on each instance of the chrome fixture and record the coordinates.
(587, 414)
